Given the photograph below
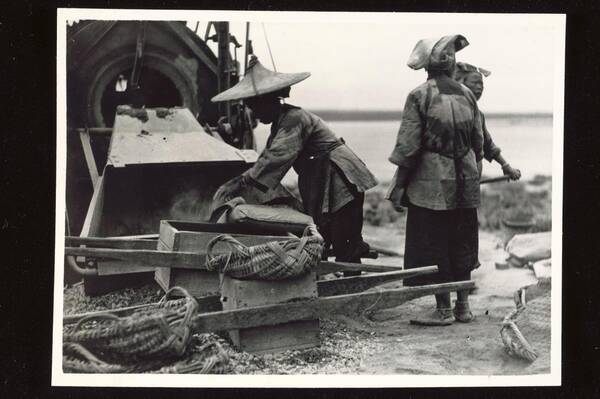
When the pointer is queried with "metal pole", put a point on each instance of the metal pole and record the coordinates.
(247, 46)
(224, 63)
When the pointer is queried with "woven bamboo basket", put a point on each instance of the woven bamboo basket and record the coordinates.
(526, 330)
(277, 260)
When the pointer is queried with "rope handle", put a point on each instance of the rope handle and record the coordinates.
(173, 289)
(227, 239)
(182, 329)
(84, 353)
(105, 316)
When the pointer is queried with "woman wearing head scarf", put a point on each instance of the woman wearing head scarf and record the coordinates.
(438, 147)
(331, 178)
(472, 77)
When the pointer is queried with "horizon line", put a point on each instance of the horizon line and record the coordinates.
(388, 114)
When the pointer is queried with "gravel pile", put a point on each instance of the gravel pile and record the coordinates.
(75, 301)
(341, 351)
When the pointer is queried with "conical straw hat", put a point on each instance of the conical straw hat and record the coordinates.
(259, 80)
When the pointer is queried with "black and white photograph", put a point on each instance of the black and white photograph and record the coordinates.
(308, 199)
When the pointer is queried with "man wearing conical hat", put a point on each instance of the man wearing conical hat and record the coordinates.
(331, 178)
(472, 77)
(438, 147)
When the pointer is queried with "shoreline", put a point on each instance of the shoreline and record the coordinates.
(334, 115)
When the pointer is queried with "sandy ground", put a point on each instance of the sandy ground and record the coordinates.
(469, 349)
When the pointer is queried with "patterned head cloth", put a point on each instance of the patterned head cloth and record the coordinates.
(463, 69)
(437, 53)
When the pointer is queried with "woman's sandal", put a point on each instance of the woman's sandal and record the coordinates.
(439, 317)
(462, 312)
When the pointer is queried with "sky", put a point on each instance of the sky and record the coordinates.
(360, 63)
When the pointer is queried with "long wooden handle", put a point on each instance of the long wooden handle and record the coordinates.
(326, 288)
(144, 257)
(319, 307)
(196, 260)
(352, 285)
(494, 179)
(350, 304)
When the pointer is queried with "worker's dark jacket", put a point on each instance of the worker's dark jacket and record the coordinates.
(329, 173)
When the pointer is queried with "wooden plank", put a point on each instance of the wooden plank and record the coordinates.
(111, 242)
(196, 282)
(205, 304)
(372, 254)
(84, 136)
(140, 237)
(318, 307)
(144, 257)
(247, 293)
(100, 131)
(238, 294)
(196, 241)
(91, 225)
(350, 285)
(325, 288)
(326, 267)
(167, 235)
(196, 260)
(300, 334)
(162, 275)
(108, 267)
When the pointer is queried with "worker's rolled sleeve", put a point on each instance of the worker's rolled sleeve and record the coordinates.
(408, 143)
(275, 161)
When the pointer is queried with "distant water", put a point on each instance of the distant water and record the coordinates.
(525, 142)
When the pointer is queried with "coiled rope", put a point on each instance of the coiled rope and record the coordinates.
(149, 339)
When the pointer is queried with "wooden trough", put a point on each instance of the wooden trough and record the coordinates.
(161, 165)
(181, 236)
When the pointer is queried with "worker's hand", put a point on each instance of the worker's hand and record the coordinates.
(395, 196)
(514, 174)
(252, 61)
(398, 208)
(229, 190)
(223, 127)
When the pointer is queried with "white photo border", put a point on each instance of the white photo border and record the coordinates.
(59, 378)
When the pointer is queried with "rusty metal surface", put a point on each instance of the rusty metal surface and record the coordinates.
(156, 136)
